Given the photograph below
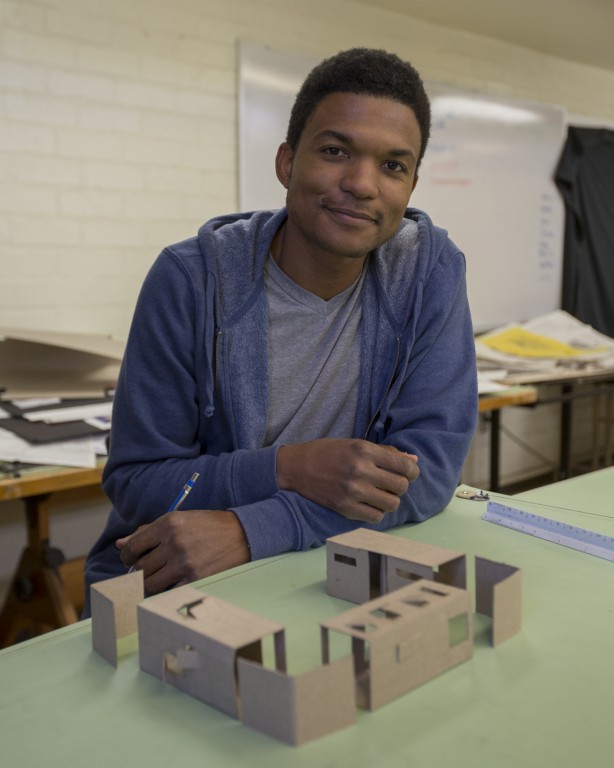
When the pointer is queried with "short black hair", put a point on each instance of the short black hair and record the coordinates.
(363, 71)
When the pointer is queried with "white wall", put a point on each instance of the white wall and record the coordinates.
(118, 136)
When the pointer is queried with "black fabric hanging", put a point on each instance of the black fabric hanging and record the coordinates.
(585, 179)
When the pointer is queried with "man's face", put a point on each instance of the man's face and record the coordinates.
(351, 176)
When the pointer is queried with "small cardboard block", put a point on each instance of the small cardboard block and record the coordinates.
(405, 638)
(498, 594)
(363, 564)
(193, 640)
(297, 709)
(114, 607)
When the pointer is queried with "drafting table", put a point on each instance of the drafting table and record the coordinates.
(544, 698)
(49, 603)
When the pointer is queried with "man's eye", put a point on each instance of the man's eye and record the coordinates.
(394, 165)
(334, 151)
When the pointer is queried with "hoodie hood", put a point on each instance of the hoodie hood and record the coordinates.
(406, 259)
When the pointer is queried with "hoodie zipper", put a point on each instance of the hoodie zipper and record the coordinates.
(388, 388)
(216, 360)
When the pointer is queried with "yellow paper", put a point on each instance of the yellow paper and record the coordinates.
(518, 341)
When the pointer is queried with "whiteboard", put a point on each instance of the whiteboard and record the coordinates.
(487, 177)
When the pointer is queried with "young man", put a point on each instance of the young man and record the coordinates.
(305, 362)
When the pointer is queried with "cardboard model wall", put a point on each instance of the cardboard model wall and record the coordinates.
(113, 608)
(364, 564)
(297, 708)
(498, 594)
(405, 638)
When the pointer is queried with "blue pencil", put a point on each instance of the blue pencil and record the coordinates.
(184, 492)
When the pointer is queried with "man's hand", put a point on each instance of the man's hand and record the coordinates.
(183, 546)
(356, 478)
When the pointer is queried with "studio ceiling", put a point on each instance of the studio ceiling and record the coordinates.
(578, 30)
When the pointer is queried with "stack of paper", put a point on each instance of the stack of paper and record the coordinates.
(54, 431)
(553, 341)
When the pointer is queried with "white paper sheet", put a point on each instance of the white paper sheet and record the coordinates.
(67, 453)
(488, 381)
(77, 413)
(34, 402)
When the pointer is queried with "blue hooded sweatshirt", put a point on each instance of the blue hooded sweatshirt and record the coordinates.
(192, 393)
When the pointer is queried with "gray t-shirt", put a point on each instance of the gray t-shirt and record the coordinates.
(314, 360)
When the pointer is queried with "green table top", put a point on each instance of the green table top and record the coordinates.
(544, 698)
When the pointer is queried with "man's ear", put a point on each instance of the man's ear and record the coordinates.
(283, 163)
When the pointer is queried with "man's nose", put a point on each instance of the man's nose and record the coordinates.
(361, 179)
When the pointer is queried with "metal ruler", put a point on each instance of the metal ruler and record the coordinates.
(552, 530)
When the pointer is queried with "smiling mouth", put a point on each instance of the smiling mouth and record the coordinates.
(349, 213)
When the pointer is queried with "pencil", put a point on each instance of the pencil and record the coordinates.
(184, 492)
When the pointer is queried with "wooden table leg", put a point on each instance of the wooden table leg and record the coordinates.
(37, 600)
(596, 432)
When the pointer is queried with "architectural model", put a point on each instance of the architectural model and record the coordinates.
(413, 622)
